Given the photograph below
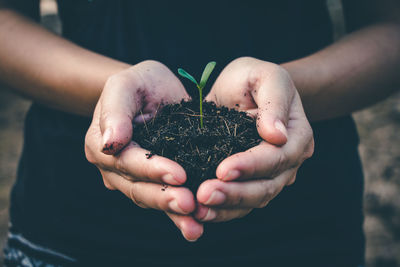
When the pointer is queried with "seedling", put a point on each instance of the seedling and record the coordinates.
(204, 77)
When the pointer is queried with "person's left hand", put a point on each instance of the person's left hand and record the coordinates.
(251, 179)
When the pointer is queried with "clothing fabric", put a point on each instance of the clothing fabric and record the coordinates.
(23, 253)
(19, 253)
(59, 200)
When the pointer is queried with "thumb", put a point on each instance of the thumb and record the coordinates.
(120, 102)
(274, 99)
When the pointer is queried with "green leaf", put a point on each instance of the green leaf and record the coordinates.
(183, 73)
(206, 73)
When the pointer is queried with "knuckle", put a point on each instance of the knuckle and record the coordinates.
(228, 215)
(307, 151)
(176, 220)
(134, 198)
(255, 77)
(292, 180)
(282, 72)
(252, 170)
(120, 163)
(107, 184)
(309, 136)
(89, 154)
(221, 216)
(236, 200)
(105, 117)
(241, 60)
(244, 213)
(302, 152)
(281, 164)
(269, 193)
(151, 62)
(142, 170)
(263, 202)
(163, 203)
(112, 80)
(148, 170)
(310, 149)
(267, 70)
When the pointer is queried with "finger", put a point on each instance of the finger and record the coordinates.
(135, 163)
(263, 160)
(266, 160)
(120, 101)
(242, 195)
(93, 138)
(207, 214)
(190, 228)
(273, 93)
(292, 179)
(156, 196)
(301, 143)
(143, 118)
(105, 181)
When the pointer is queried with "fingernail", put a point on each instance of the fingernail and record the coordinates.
(190, 240)
(211, 215)
(281, 127)
(173, 205)
(232, 175)
(170, 179)
(107, 136)
(216, 198)
(142, 118)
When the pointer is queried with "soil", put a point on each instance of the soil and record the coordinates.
(175, 133)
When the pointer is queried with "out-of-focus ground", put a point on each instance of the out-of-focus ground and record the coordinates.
(378, 126)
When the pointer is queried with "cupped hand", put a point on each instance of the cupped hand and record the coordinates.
(135, 95)
(251, 179)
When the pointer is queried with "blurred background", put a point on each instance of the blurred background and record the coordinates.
(378, 126)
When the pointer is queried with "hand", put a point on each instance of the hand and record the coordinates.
(251, 179)
(135, 94)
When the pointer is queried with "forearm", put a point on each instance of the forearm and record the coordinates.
(50, 69)
(357, 71)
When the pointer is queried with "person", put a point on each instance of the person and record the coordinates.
(61, 212)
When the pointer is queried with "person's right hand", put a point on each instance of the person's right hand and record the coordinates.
(251, 179)
(136, 94)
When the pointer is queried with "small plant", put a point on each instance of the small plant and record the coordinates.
(204, 77)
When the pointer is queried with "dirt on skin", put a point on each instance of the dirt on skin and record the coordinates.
(175, 133)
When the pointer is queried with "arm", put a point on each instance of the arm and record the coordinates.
(356, 71)
(62, 75)
(50, 69)
(352, 73)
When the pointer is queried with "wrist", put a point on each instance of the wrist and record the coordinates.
(94, 82)
(307, 82)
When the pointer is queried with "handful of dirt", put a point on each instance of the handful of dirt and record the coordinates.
(175, 133)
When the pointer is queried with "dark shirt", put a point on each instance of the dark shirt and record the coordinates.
(59, 199)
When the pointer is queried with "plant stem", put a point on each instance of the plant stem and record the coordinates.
(201, 106)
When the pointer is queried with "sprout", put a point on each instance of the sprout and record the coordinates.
(204, 77)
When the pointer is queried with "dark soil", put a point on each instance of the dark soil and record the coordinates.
(175, 133)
